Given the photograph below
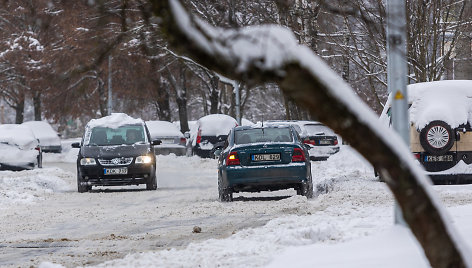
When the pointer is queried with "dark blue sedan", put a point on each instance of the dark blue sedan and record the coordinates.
(266, 158)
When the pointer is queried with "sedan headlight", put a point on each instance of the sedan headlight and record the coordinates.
(87, 161)
(143, 159)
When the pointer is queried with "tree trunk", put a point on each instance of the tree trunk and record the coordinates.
(37, 105)
(19, 110)
(182, 102)
(163, 104)
(102, 98)
(214, 95)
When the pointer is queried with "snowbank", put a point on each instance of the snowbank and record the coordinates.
(31, 185)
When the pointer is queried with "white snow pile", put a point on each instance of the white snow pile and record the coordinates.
(115, 120)
(448, 101)
(31, 185)
(163, 129)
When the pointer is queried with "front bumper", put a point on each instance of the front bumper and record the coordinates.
(322, 152)
(165, 150)
(137, 174)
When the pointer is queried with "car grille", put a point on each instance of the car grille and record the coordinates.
(123, 161)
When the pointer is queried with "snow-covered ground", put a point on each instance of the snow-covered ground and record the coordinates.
(46, 222)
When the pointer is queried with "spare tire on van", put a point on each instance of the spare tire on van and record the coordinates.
(437, 137)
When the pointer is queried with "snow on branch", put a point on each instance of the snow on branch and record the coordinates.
(270, 53)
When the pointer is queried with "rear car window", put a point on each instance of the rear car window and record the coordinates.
(104, 136)
(262, 135)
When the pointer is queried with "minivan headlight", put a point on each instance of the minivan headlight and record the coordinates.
(143, 159)
(87, 161)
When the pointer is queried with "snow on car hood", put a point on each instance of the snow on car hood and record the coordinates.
(448, 101)
(115, 120)
(18, 135)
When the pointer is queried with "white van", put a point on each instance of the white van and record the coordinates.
(440, 128)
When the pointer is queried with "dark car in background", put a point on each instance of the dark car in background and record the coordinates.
(116, 150)
(263, 158)
(209, 130)
(321, 140)
(19, 148)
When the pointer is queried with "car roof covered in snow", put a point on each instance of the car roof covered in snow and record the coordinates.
(447, 100)
(163, 129)
(115, 120)
(43, 131)
(216, 124)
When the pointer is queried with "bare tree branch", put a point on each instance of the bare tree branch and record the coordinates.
(306, 79)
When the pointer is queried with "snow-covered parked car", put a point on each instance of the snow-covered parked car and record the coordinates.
(210, 130)
(116, 150)
(49, 140)
(19, 148)
(173, 141)
(440, 128)
(322, 142)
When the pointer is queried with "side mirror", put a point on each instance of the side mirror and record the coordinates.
(187, 135)
(75, 145)
(156, 142)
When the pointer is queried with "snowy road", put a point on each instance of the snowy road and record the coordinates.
(44, 219)
(60, 225)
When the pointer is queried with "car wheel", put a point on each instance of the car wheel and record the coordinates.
(151, 183)
(437, 137)
(82, 188)
(305, 189)
(40, 160)
(224, 194)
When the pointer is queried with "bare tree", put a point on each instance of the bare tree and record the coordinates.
(300, 74)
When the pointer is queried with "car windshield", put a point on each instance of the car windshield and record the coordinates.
(318, 129)
(246, 136)
(104, 136)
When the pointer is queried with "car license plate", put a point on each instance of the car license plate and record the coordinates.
(438, 158)
(115, 171)
(167, 141)
(265, 157)
(324, 142)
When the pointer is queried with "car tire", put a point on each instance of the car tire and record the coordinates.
(224, 194)
(437, 137)
(305, 189)
(80, 187)
(151, 183)
(40, 160)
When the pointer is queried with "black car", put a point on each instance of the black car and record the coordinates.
(116, 154)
